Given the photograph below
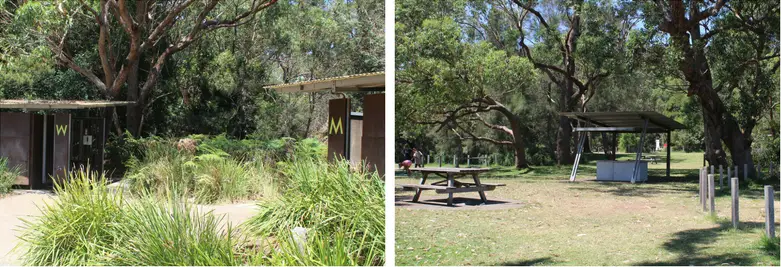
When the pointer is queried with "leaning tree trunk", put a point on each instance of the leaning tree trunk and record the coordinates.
(518, 146)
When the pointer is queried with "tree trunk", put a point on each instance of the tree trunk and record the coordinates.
(518, 146)
(133, 112)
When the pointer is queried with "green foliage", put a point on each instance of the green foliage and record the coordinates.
(8, 175)
(78, 228)
(769, 245)
(172, 234)
(88, 224)
(345, 207)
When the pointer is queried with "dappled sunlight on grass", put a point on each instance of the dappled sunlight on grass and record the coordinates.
(587, 222)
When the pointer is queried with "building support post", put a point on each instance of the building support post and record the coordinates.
(639, 151)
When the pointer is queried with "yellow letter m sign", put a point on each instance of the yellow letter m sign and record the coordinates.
(62, 129)
(335, 127)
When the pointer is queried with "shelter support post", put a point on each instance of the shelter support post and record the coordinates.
(639, 151)
(577, 157)
(669, 144)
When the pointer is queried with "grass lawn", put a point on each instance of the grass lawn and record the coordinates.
(588, 222)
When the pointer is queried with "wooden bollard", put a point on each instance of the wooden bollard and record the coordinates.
(712, 193)
(735, 202)
(770, 224)
(729, 173)
(703, 187)
(721, 177)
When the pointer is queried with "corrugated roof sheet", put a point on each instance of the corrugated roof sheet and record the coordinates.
(627, 119)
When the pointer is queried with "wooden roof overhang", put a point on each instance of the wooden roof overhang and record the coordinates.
(365, 82)
(39, 104)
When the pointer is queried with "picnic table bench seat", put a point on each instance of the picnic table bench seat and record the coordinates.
(450, 185)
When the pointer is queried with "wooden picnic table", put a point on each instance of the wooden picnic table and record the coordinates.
(452, 185)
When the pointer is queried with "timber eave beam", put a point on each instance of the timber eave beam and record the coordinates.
(619, 129)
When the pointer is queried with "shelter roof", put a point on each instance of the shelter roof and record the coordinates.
(41, 104)
(624, 121)
(365, 82)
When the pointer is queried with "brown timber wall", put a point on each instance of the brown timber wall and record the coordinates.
(373, 140)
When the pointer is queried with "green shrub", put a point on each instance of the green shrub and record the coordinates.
(172, 233)
(8, 176)
(228, 179)
(209, 177)
(89, 225)
(331, 200)
(77, 228)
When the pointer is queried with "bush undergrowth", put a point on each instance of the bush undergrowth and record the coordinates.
(343, 208)
(8, 176)
(88, 224)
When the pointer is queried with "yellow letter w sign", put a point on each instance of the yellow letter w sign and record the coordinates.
(62, 129)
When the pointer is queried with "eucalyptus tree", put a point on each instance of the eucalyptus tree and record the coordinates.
(727, 53)
(134, 39)
(460, 86)
(576, 45)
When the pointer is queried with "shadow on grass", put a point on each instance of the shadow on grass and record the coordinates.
(537, 261)
(687, 246)
(624, 189)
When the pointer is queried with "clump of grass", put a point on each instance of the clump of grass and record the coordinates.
(344, 208)
(8, 176)
(78, 227)
(210, 177)
(172, 233)
(88, 224)
(769, 245)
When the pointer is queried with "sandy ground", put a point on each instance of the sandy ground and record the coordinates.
(23, 204)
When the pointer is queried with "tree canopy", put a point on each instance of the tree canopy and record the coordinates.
(193, 66)
(711, 65)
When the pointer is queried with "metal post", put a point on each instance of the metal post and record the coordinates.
(770, 224)
(639, 152)
(428, 159)
(712, 193)
(669, 149)
(736, 171)
(455, 163)
(468, 161)
(440, 159)
(721, 177)
(577, 159)
(759, 171)
(745, 171)
(735, 202)
(729, 173)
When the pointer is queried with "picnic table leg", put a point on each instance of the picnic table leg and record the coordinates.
(450, 185)
(418, 191)
(479, 186)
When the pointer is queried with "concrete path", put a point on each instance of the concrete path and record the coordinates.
(23, 204)
(13, 207)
